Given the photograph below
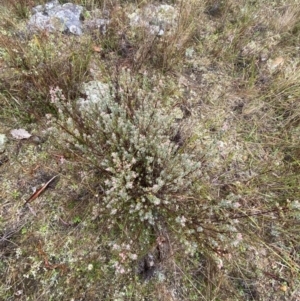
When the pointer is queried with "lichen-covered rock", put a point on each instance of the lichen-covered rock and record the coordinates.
(55, 17)
(66, 18)
(158, 19)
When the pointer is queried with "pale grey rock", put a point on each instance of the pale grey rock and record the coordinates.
(39, 21)
(51, 4)
(66, 18)
(37, 9)
(55, 17)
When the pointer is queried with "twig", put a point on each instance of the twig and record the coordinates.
(39, 191)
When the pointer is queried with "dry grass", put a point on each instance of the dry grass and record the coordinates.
(35, 63)
(230, 72)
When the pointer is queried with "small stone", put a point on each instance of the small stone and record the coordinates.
(275, 64)
(20, 134)
(3, 141)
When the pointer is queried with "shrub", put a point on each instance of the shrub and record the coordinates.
(127, 136)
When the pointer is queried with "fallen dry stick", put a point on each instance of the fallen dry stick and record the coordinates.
(39, 191)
